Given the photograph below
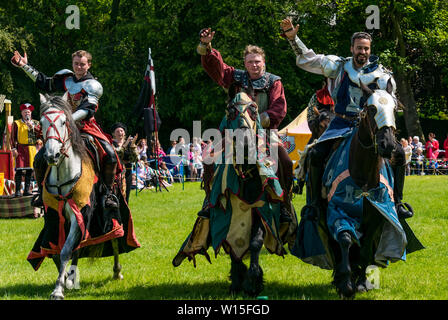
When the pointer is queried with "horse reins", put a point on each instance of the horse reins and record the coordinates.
(64, 147)
(371, 134)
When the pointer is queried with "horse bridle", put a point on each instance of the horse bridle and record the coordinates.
(242, 112)
(232, 116)
(57, 137)
(363, 114)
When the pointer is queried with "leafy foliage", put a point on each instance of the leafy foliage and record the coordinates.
(118, 33)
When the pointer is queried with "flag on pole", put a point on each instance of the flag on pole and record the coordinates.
(146, 107)
(146, 99)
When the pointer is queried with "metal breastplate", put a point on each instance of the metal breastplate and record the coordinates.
(77, 92)
(349, 96)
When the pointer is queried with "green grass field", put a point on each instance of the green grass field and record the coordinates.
(163, 221)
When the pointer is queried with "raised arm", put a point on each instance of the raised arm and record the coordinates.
(47, 84)
(306, 59)
(212, 61)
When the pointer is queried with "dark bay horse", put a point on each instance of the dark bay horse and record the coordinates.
(361, 226)
(75, 226)
(244, 202)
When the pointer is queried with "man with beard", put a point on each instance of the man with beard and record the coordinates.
(346, 74)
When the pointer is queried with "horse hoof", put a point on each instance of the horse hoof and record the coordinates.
(344, 285)
(56, 296)
(118, 276)
(364, 286)
(253, 282)
(235, 289)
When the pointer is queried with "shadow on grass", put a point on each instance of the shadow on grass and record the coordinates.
(215, 290)
(168, 291)
(220, 290)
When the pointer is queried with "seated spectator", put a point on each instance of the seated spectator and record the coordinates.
(432, 147)
(408, 154)
(418, 162)
(415, 144)
(142, 147)
(141, 173)
(172, 148)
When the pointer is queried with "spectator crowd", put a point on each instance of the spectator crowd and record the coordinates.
(427, 159)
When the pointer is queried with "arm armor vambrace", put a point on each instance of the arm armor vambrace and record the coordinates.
(297, 46)
(30, 71)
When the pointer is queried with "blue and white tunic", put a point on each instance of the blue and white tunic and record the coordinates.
(344, 84)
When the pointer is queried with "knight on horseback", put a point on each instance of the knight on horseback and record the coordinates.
(264, 88)
(345, 76)
(83, 93)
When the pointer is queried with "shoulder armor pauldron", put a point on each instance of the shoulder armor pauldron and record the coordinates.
(63, 73)
(265, 82)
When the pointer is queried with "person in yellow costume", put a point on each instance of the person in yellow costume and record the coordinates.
(25, 132)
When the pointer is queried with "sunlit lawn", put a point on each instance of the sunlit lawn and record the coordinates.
(163, 221)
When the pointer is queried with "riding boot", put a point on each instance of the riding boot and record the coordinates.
(315, 187)
(206, 181)
(110, 199)
(285, 216)
(18, 181)
(205, 211)
(40, 167)
(404, 210)
(27, 192)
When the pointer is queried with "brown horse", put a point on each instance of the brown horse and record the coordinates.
(361, 224)
(244, 202)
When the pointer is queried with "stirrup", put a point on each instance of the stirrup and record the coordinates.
(111, 201)
(204, 213)
(284, 214)
(37, 201)
(404, 210)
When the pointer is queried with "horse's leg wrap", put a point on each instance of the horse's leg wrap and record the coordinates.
(237, 273)
(117, 265)
(285, 173)
(253, 282)
(342, 275)
(315, 179)
(318, 155)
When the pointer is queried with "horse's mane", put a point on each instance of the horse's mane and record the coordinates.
(75, 136)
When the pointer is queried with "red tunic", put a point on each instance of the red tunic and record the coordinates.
(223, 75)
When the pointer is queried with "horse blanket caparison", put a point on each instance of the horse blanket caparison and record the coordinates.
(346, 201)
(230, 222)
(97, 226)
